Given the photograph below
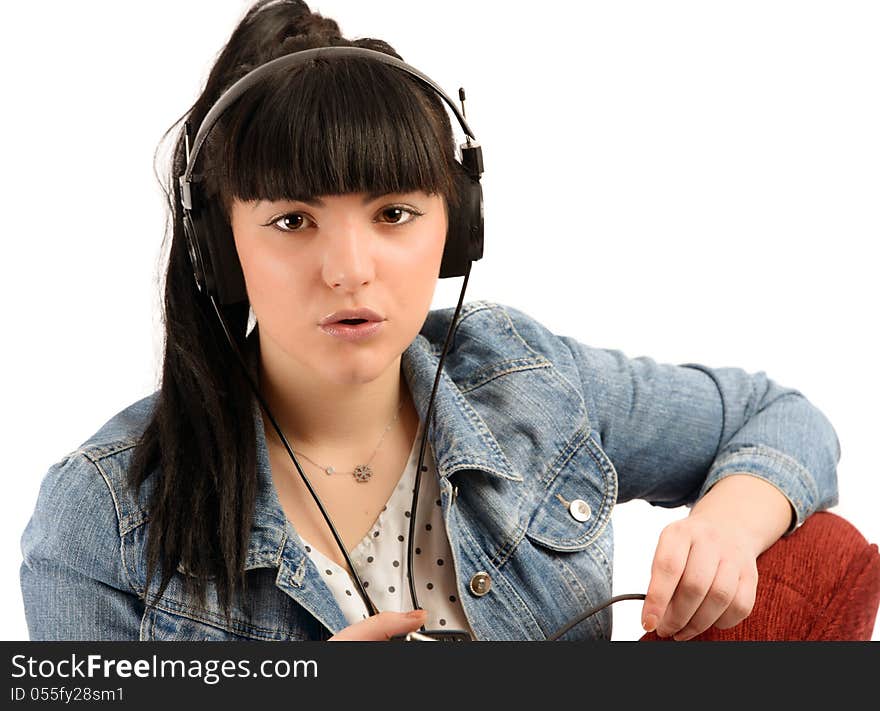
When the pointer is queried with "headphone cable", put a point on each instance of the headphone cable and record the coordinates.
(366, 598)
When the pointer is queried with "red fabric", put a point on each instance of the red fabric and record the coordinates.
(820, 583)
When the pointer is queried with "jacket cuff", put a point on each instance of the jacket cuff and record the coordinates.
(773, 466)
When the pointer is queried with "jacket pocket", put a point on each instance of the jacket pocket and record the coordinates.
(576, 505)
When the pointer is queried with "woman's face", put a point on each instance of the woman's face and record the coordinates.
(303, 261)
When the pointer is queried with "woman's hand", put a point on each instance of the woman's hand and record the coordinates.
(381, 627)
(703, 574)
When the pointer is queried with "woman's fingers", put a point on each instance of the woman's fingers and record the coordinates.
(695, 582)
(381, 627)
(717, 600)
(744, 600)
(666, 570)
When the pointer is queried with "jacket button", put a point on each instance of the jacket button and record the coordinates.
(480, 583)
(579, 509)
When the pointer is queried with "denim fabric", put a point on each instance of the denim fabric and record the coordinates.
(524, 422)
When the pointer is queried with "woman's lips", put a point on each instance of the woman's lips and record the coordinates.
(352, 332)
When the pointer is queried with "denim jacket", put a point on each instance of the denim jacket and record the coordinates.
(528, 428)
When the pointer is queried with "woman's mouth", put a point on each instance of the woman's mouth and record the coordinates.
(352, 329)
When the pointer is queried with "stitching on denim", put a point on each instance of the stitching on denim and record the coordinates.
(802, 478)
(771, 453)
(504, 314)
(296, 578)
(237, 627)
(574, 584)
(559, 374)
(130, 570)
(467, 310)
(612, 471)
(102, 451)
(137, 518)
(598, 555)
(98, 453)
(511, 588)
(486, 437)
(171, 606)
(602, 517)
(473, 307)
(284, 577)
(456, 565)
(116, 507)
(566, 454)
(502, 555)
(492, 372)
(144, 631)
(469, 464)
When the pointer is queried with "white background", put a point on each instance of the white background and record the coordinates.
(693, 181)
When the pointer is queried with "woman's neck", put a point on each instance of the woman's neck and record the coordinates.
(311, 414)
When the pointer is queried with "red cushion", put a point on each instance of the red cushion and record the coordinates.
(820, 583)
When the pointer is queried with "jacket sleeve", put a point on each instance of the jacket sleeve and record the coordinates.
(73, 582)
(673, 431)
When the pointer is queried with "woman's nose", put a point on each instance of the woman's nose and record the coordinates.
(348, 261)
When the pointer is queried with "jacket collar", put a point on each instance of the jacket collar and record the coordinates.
(459, 436)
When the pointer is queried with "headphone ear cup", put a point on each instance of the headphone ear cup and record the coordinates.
(195, 253)
(212, 252)
(464, 237)
(224, 274)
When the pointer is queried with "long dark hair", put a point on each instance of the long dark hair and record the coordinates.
(330, 127)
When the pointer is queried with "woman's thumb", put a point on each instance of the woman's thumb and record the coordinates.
(382, 627)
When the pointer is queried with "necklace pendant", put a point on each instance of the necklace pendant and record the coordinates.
(362, 473)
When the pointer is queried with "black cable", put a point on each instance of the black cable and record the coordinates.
(592, 611)
(412, 518)
(363, 593)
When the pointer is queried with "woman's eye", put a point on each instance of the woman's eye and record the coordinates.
(397, 209)
(291, 216)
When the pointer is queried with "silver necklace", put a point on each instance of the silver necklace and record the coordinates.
(362, 472)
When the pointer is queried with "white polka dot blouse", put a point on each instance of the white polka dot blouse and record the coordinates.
(380, 557)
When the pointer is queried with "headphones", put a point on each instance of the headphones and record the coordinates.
(215, 264)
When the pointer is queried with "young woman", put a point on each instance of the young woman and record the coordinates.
(486, 462)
